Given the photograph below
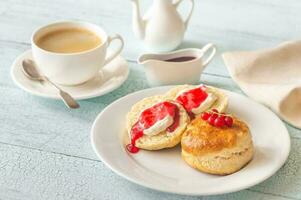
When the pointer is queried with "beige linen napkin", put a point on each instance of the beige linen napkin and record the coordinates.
(272, 77)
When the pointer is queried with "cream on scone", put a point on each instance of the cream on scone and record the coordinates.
(159, 123)
(217, 150)
(198, 98)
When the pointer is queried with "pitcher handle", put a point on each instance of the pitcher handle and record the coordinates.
(178, 2)
(205, 49)
(112, 55)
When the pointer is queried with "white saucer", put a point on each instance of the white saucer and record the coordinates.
(164, 170)
(110, 78)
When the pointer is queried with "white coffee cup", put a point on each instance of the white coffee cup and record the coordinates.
(73, 68)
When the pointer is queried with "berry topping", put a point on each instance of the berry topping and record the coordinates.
(149, 117)
(157, 112)
(214, 115)
(132, 148)
(228, 121)
(176, 121)
(137, 133)
(217, 119)
(205, 115)
(222, 116)
(219, 122)
(192, 98)
(212, 118)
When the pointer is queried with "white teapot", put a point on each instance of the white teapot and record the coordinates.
(162, 28)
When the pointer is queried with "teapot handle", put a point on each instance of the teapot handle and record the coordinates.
(178, 2)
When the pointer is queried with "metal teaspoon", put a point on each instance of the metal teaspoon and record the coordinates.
(30, 70)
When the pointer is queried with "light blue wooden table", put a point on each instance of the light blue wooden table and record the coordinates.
(45, 150)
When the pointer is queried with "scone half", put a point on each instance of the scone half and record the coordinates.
(215, 150)
(220, 104)
(164, 139)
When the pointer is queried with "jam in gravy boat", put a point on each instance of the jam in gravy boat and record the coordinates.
(178, 67)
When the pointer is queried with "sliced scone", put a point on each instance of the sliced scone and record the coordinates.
(154, 123)
(198, 98)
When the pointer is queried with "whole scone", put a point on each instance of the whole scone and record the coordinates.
(220, 104)
(217, 150)
(163, 139)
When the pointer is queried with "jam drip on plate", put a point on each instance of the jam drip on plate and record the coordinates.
(149, 117)
(192, 99)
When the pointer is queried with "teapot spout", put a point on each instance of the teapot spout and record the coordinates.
(138, 22)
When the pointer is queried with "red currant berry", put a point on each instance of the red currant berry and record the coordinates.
(219, 122)
(222, 117)
(205, 115)
(229, 121)
(212, 118)
(214, 115)
(214, 110)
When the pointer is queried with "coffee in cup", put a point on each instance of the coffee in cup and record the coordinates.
(69, 40)
(71, 53)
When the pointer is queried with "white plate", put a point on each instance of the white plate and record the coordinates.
(164, 170)
(110, 78)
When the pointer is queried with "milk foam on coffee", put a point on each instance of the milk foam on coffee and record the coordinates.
(69, 40)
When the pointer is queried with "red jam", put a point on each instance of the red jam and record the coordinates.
(149, 117)
(192, 99)
(132, 148)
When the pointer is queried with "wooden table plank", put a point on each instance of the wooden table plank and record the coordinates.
(33, 174)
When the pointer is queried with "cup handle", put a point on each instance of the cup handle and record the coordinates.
(176, 4)
(205, 49)
(112, 55)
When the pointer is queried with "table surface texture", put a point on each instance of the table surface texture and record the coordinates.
(45, 150)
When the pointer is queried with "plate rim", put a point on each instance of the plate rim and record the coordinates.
(46, 95)
(150, 186)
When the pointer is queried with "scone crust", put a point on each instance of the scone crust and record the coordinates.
(163, 139)
(217, 150)
(221, 103)
(219, 165)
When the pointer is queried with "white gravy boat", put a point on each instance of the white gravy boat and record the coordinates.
(178, 67)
